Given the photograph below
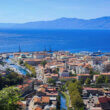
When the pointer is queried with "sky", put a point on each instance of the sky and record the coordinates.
(21, 11)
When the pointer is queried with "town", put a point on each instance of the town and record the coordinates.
(57, 80)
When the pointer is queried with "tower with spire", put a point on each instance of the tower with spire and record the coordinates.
(19, 48)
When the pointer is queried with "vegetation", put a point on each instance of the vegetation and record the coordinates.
(100, 79)
(11, 78)
(58, 102)
(31, 68)
(63, 88)
(88, 81)
(92, 73)
(28, 74)
(70, 74)
(106, 79)
(75, 91)
(2, 63)
(56, 71)
(9, 98)
(67, 98)
(20, 62)
(51, 81)
(82, 81)
(43, 63)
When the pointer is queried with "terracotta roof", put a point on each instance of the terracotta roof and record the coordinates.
(44, 85)
(29, 81)
(41, 90)
(45, 99)
(32, 59)
(105, 73)
(96, 75)
(68, 77)
(51, 89)
(52, 93)
(20, 103)
(37, 99)
(22, 86)
(19, 86)
(83, 74)
(38, 108)
(56, 75)
(88, 88)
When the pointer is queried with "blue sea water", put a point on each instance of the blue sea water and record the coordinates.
(70, 40)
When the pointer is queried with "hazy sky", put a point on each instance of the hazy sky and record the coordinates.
(18, 11)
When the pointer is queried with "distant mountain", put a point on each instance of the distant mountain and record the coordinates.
(63, 23)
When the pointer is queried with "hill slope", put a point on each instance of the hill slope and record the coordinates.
(63, 23)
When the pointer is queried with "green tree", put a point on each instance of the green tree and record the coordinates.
(77, 101)
(82, 80)
(100, 79)
(43, 63)
(12, 78)
(20, 62)
(31, 68)
(106, 79)
(9, 97)
(88, 81)
(28, 74)
(56, 71)
(75, 90)
(51, 81)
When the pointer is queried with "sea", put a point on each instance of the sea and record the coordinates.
(56, 40)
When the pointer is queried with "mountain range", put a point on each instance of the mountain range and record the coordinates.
(62, 23)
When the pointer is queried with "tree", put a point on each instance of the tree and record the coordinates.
(56, 71)
(9, 97)
(43, 63)
(88, 81)
(82, 80)
(51, 81)
(31, 68)
(100, 79)
(75, 90)
(77, 85)
(106, 79)
(12, 78)
(20, 62)
(28, 74)
(92, 73)
(76, 100)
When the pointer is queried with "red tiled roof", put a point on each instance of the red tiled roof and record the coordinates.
(41, 90)
(32, 60)
(45, 99)
(38, 108)
(105, 73)
(20, 103)
(29, 81)
(45, 85)
(22, 86)
(103, 99)
(68, 77)
(52, 93)
(96, 75)
(51, 89)
(83, 74)
(37, 99)
(88, 88)
(54, 75)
